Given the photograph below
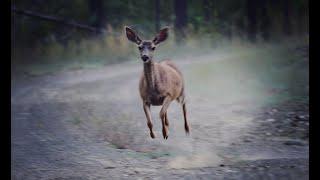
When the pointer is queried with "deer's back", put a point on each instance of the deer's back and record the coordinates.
(172, 65)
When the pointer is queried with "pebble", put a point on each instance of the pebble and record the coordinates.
(109, 167)
(290, 113)
(293, 143)
(268, 134)
(275, 110)
(293, 124)
(248, 169)
(270, 120)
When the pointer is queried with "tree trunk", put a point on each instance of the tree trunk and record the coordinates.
(252, 20)
(207, 10)
(56, 20)
(265, 22)
(97, 13)
(180, 9)
(157, 13)
(286, 14)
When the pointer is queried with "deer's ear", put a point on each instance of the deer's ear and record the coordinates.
(161, 36)
(132, 36)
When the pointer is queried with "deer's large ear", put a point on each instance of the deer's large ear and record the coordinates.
(161, 36)
(132, 36)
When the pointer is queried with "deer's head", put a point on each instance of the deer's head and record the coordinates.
(147, 47)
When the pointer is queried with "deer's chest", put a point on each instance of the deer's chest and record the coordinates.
(153, 86)
(155, 98)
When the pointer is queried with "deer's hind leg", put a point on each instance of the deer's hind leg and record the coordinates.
(181, 100)
(146, 108)
(186, 126)
(163, 116)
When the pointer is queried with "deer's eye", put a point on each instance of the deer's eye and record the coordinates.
(140, 48)
(153, 48)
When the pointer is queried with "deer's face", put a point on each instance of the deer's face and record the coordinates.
(147, 47)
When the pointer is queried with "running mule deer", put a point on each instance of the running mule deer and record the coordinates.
(160, 83)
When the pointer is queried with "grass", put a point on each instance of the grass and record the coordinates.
(102, 50)
(263, 74)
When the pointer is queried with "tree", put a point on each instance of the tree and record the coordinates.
(157, 13)
(252, 20)
(207, 10)
(265, 22)
(287, 20)
(97, 13)
(55, 19)
(180, 9)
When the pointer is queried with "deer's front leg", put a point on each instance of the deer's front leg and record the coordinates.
(166, 120)
(146, 108)
(163, 114)
(186, 126)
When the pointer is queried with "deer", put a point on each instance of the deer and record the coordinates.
(160, 83)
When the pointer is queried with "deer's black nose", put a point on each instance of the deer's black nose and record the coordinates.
(144, 58)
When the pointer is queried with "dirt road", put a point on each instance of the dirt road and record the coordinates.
(89, 124)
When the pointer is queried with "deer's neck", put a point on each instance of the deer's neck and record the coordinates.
(149, 73)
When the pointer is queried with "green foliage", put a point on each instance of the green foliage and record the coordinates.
(264, 73)
(42, 42)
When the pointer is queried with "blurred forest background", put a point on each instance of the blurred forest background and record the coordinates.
(78, 33)
(76, 114)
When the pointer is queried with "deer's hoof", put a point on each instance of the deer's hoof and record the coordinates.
(152, 135)
(186, 128)
(165, 134)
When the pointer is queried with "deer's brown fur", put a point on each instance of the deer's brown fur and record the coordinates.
(160, 80)
(160, 83)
